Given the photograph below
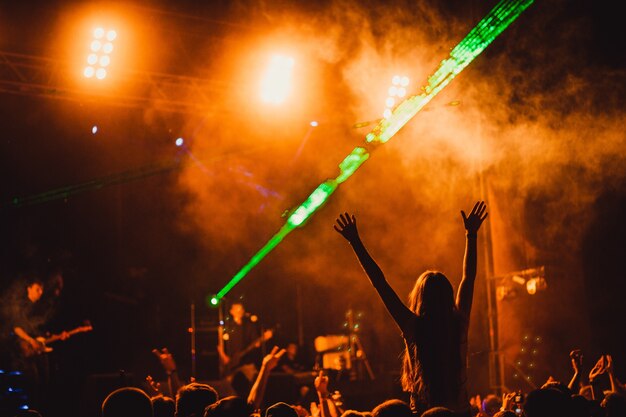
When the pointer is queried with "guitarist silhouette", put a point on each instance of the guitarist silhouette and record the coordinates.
(240, 350)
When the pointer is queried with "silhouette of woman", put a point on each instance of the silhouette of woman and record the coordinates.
(434, 326)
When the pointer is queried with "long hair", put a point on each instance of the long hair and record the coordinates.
(431, 362)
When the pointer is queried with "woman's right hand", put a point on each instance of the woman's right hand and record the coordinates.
(347, 227)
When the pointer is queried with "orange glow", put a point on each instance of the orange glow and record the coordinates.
(276, 82)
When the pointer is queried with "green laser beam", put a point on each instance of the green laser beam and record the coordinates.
(488, 29)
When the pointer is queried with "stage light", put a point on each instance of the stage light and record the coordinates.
(99, 57)
(180, 141)
(314, 123)
(276, 82)
(214, 301)
(395, 91)
(94, 129)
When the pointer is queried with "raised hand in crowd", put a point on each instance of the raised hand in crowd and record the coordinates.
(576, 357)
(476, 217)
(327, 407)
(169, 366)
(616, 385)
(257, 392)
(508, 401)
(598, 369)
(347, 227)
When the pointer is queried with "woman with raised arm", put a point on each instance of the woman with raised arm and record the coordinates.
(434, 326)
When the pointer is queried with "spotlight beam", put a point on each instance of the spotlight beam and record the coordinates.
(488, 29)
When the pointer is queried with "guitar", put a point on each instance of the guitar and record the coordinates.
(28, 350)
(233, 363)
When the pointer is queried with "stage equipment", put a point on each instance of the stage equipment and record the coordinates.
(520, 324)
(488, 29)
(276, 82)
(397, 90)
(332, 352)
(99, 56)
(358, 357)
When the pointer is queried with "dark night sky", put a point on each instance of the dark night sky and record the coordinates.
(137, 253)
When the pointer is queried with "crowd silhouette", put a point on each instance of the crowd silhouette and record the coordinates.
(434, 326)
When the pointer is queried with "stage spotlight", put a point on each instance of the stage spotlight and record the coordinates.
(180, 141)
(397, 89)
(94, 129)
(99, 56)
(314, 123)
(276, 82)
(89, 72)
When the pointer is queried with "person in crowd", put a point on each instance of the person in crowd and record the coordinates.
(392, 408)
(231, 406)
(434, 326)
(193, 398)
(490, 406)
(281, 409)
(127, 402)
(439, 412)
(163, 406)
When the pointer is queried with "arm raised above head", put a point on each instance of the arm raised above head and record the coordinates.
(346, 226)
(472, 223)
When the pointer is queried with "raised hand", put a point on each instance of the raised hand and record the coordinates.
(598, 369)
(577, 360)
(271, 359)
(609, 364)
(166, 358)
(321, 384)
(347, 227)
(476, 217)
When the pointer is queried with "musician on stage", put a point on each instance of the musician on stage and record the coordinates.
(25, 323)
(241, 352)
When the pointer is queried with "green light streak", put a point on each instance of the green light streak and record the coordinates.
(488, 29)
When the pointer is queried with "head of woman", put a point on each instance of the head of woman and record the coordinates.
(432, 295)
